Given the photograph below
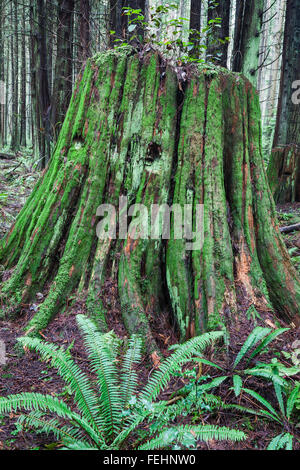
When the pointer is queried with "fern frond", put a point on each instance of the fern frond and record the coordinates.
(129, 379)
(291, 401)
(162, 376)
(237, 385)
(268, 340)
(282, 441)
(255, 336)
(263, 402)
(29, 401)
(200, 433)
(244, 409)
(42, 423)
(79, 445)
(101, 350)
(84, 395)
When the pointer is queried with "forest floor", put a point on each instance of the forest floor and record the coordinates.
(27, 373)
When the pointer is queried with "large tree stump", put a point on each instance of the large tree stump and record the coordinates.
(131, 130)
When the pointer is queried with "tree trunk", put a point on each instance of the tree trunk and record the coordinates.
(2, 76)
(131, 132)
(115, 20)
(219, 48)
(284, 174)
(248, 28)
(84, 31)
(195, 25)
(14, 143)
(284, 166)
(62, 86)
(23, 83)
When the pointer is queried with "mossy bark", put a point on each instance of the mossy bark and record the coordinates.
(131, 131)
(284, 165)
(284, 174)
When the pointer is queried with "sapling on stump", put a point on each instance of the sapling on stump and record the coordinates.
(133, 131)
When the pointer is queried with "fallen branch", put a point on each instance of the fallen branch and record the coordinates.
(7, 156)
(290, 228)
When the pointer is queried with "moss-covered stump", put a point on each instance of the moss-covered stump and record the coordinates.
(131, 130)
(284, 174)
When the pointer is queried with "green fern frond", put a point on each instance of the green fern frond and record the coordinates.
(200, 433)
(255, 336)
(162, 376)
(129, 379)
(244, 409)
(263, 402)
(268, 340)
(29, 401)
(42, 423)
(101, 350)
(292, 400)
(283, 441)
(84, 395)
(237, 385)
(79, 445)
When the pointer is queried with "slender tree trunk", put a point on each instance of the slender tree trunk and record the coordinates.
(23, 83)
(84, 31)
(43, 84)
(115, 20)
(219, 48)
(195, 24)
(35, 112)
(14, 144)
(119, 22)
(199, 147)
(62, 86)
(2, 76)
(284, 166)
(249, 24)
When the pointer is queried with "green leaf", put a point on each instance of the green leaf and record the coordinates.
(132, 27)
(264, 402)
(237, 385)
(255, 336)
(292, 399)
(267, 341)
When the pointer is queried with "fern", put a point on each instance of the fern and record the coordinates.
(102, 349)
(110, 410)
(84, 395)
(255, 336)
(129, 380)
(173, 363)
(282, 441)
(201, 433)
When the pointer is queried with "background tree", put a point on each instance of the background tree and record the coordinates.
(62, 84)
(248, 28)
(284, 168)
(220, 10)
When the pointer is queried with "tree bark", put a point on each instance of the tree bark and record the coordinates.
(195, 24)
(222, 10)
(284, 166)
(130, 131)
(248, 28)
(84, 30)
(62, 85)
